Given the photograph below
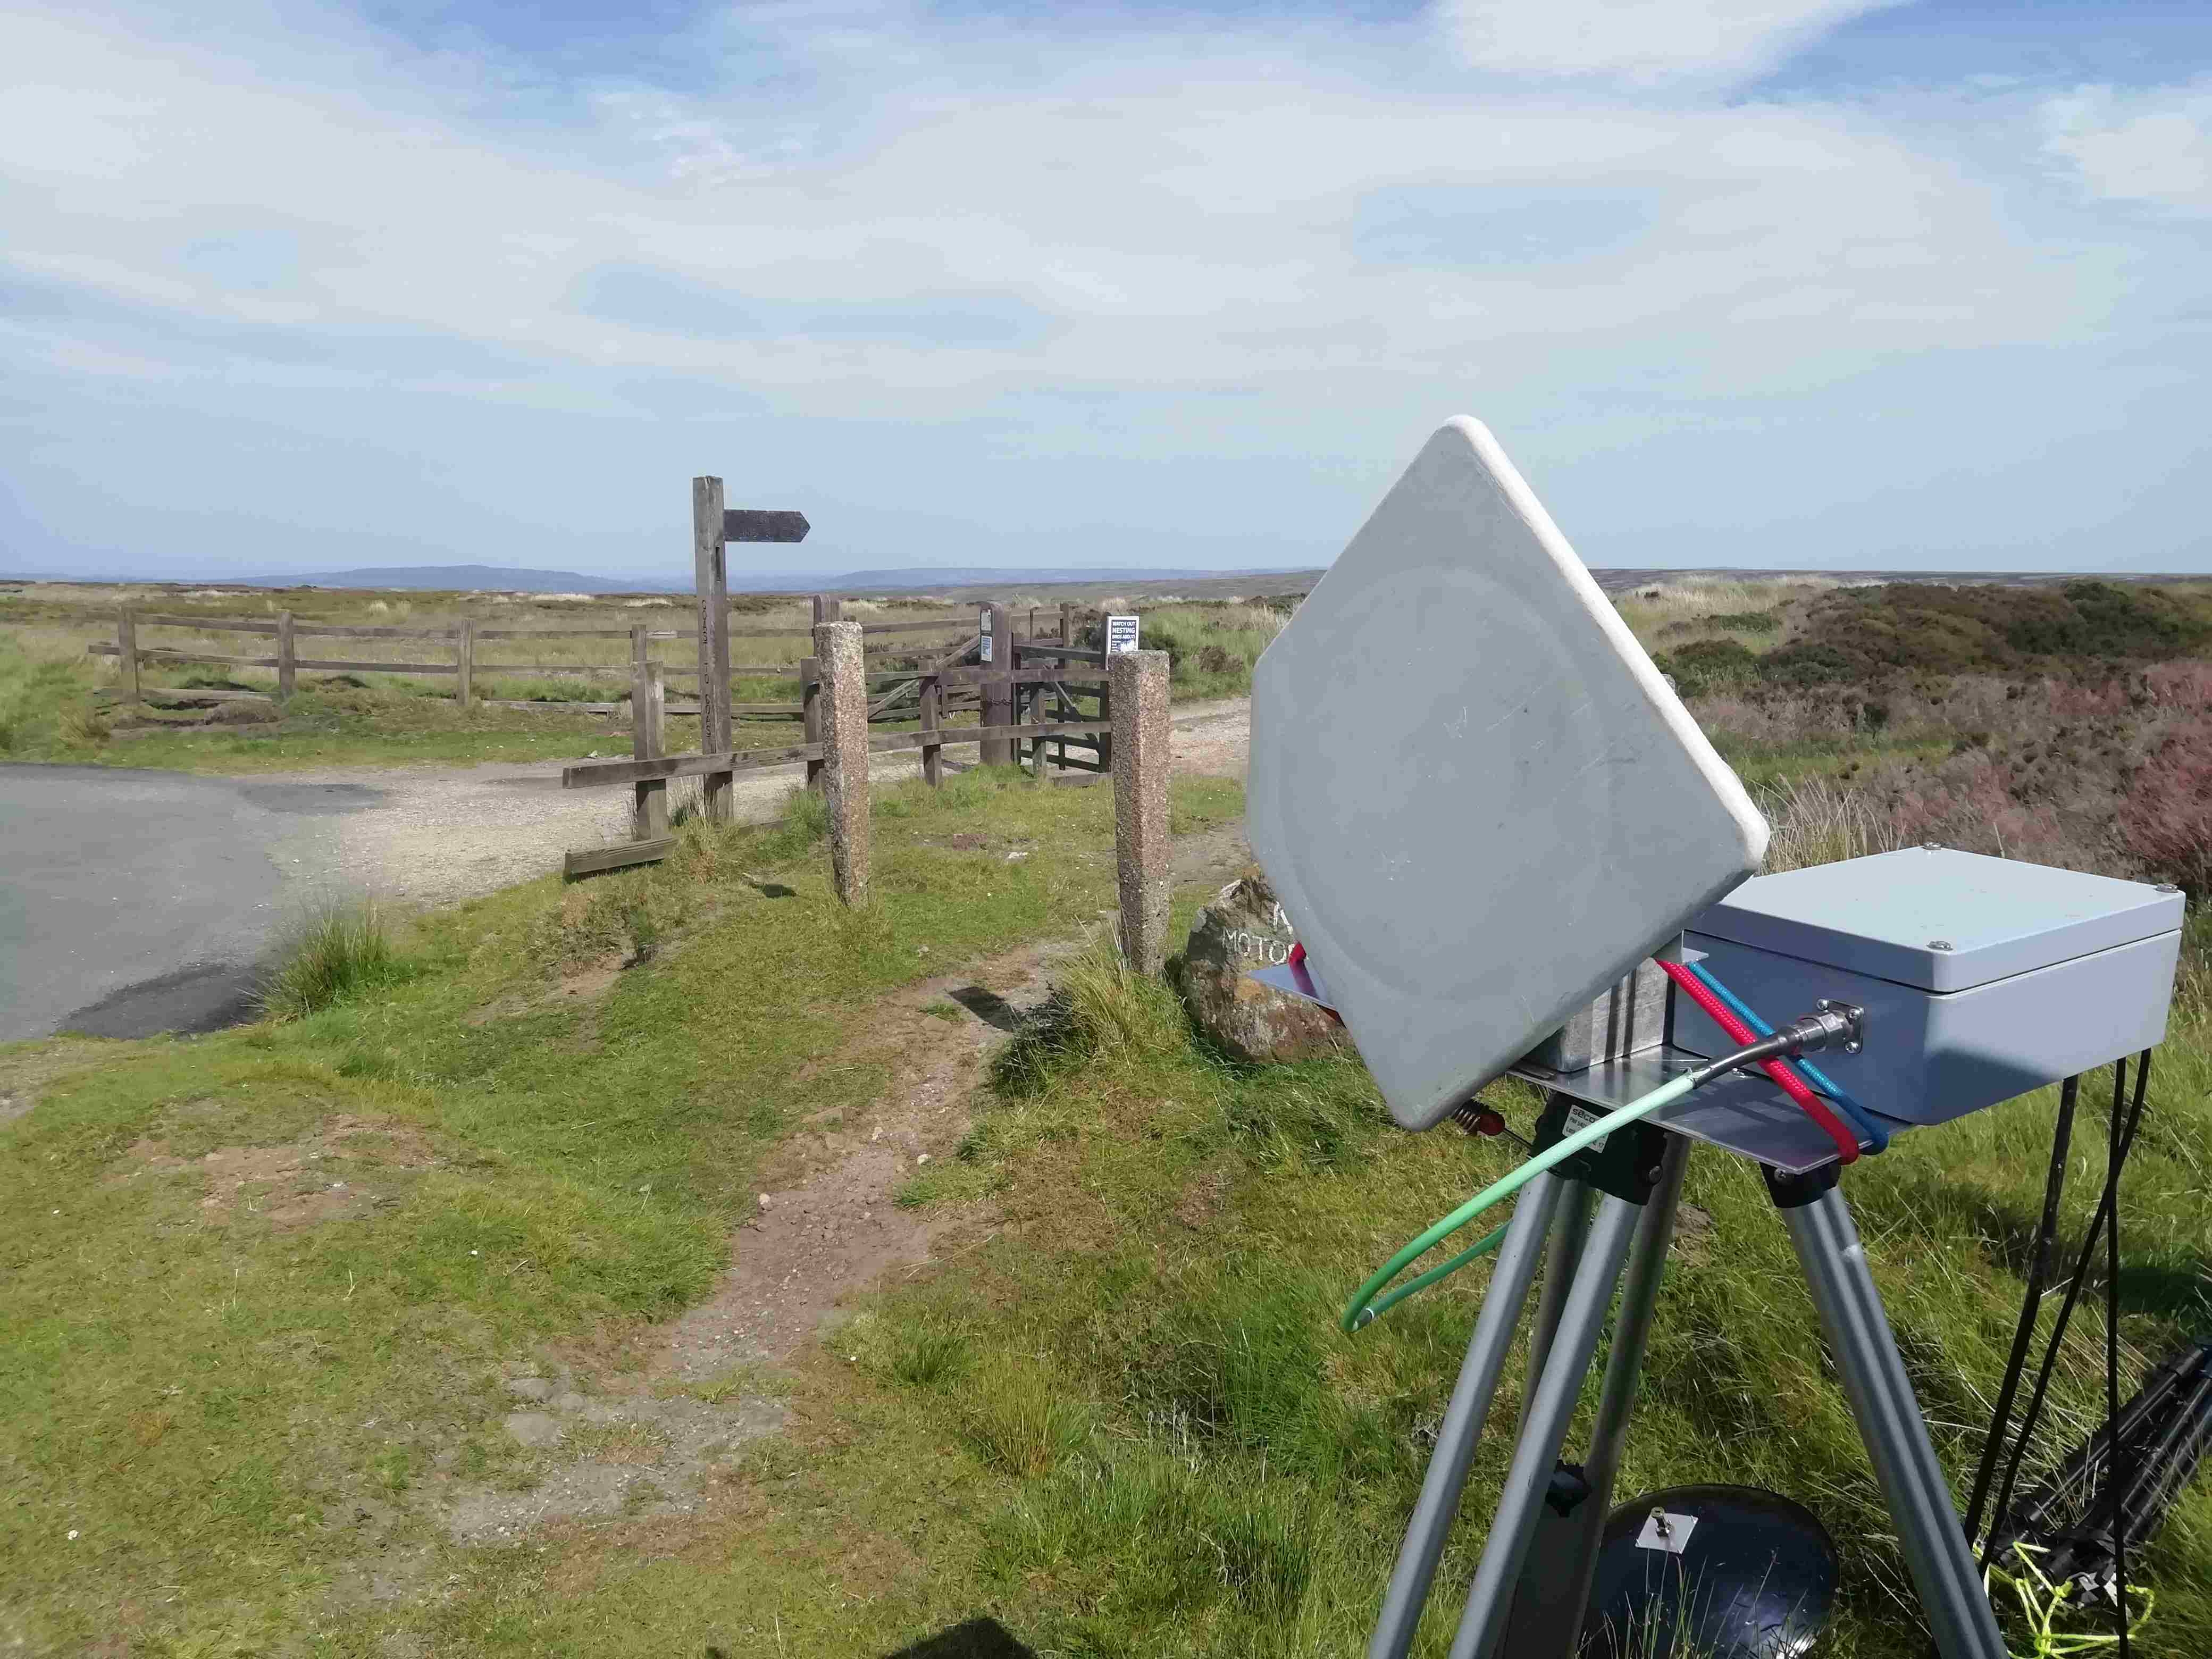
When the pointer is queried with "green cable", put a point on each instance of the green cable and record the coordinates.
(1361, 1310)
(1382, 1305)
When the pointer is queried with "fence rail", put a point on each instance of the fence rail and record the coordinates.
(897, 664)
(1016, 706)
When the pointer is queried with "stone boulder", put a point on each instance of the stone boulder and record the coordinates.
(1244, 929)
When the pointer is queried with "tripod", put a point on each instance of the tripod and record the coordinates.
(1604, 1219)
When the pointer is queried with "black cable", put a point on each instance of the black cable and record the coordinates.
(2105, 1202)
(2115, 1158)
(2038, 1272)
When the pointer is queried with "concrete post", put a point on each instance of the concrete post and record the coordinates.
(844, 707)
(1138, 682)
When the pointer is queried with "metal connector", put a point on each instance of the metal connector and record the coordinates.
(1853, 1016)
(1830, 1028)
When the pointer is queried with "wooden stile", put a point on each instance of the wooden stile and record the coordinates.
(594, 859)
(606, 773)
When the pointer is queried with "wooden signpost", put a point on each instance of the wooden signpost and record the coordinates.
(713, 526)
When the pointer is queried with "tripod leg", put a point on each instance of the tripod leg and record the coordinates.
(1552, 1405)
(1463, 1424)
(1929, 1531)
(1624, 1369)
(1569, 1234)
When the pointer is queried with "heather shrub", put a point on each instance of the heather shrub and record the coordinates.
(2166, 816)
(1704, 665)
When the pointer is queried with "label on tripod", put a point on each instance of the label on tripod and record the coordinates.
(1665, 1531)
(1581, 1117)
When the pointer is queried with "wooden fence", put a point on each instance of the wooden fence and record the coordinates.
(897, 665)
(1035, 733)
(1139, 771)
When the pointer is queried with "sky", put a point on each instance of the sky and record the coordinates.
(288, 286)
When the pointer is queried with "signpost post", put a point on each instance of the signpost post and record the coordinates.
(713, 526)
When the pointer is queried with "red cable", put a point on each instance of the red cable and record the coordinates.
(1847, 1145)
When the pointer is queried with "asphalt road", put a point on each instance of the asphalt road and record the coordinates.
(139, 901)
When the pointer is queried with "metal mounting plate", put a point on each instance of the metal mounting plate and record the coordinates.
(1743, 1114)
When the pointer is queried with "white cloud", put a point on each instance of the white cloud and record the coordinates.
(1641, 41)
(2152, 145)
(1292, 246)
(1198, 223)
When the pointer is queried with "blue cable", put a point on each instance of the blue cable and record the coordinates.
(1865, 1122)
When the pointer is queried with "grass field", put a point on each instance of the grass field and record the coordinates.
(55, 699)
(267, 1287)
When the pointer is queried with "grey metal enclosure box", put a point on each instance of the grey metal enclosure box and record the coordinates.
(1982, 978)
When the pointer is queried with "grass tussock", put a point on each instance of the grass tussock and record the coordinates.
(334, 954)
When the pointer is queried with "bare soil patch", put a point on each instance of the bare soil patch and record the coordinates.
(292, 1185)
(628, 1457)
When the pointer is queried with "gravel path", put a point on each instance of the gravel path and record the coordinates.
(135, 902)
(438, 834)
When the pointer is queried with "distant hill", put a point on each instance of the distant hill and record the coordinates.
(1013, 576)
(499, 578)
(503, 579)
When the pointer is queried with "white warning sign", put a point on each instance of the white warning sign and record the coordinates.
(1121, 635)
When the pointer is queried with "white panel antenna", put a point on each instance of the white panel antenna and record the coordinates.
(1478, 799)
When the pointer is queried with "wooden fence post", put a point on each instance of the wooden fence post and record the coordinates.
(932, 754)
(998, 695)
(126, 656)
(712, 578)
(648, 701)
(845, 755)
(810, 711)
(1066, 623)
(1106, 712)
(464, 660)
(1138, 682)
(287, 674)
